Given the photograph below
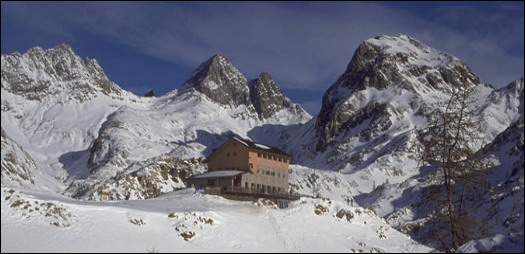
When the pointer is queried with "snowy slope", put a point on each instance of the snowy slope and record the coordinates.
(500, 207)
(209, 224)
(67, 131)
(503, 208)
(391, 88)
(18, 168)
(53, 103)
(84, 132)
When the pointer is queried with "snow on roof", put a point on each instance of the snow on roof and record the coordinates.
(219, 174)
(262, 146)
(244, 143)
(251, 144)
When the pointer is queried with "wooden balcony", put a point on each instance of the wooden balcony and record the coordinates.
(257, 193)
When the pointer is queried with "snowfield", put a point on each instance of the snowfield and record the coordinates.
(209, 223)
(70, 136)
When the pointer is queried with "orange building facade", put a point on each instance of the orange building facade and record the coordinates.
(263, 167)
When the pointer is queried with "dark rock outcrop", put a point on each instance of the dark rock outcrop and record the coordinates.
(220, 81)
(268, 98)
(385, 62)
(149, 93)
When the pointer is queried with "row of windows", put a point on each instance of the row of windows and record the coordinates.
(262, 187)
(233, 153)
(271, 173)
(272, 157)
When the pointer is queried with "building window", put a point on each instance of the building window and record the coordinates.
(251, 165)
(264, 156)
(280, 159)
(227, 154)
(253, 185)
(258, 186)
(246, 185)
(259, 155)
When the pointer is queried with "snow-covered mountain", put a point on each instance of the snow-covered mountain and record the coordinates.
(369, 120)
(67, 130)
(53, 103)
(500, 207)
(224, 84)
(87, 132)
(390, 89)
(56, 72)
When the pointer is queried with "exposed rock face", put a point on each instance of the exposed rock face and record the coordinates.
(268, 98)
(148, 179)
(220, 81)
(39, 73)
(387, 62)
(503, 208)
(17, 165)
(149, 93)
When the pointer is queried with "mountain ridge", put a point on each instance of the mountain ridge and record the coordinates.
(63, 118)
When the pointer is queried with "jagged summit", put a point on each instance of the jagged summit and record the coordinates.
(39, 73)
(264, 77)
(399, 63)
(59, 49)
(268, 98)
(386, 60)
(221, 81)
(224, 84)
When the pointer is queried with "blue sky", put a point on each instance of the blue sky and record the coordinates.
(304, 45)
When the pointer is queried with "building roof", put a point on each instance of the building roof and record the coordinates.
(261, 147)
(219, 174)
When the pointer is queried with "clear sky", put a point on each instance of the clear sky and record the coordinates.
(305, 46)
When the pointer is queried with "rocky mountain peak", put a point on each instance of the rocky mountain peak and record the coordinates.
(265, 77)
(397, 62)
(221, 81)
(39, 73)
(268, 98)
(386, 60)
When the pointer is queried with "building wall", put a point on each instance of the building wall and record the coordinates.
(265, 169)
(232, 156)
(213, 182)
(268, 171)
